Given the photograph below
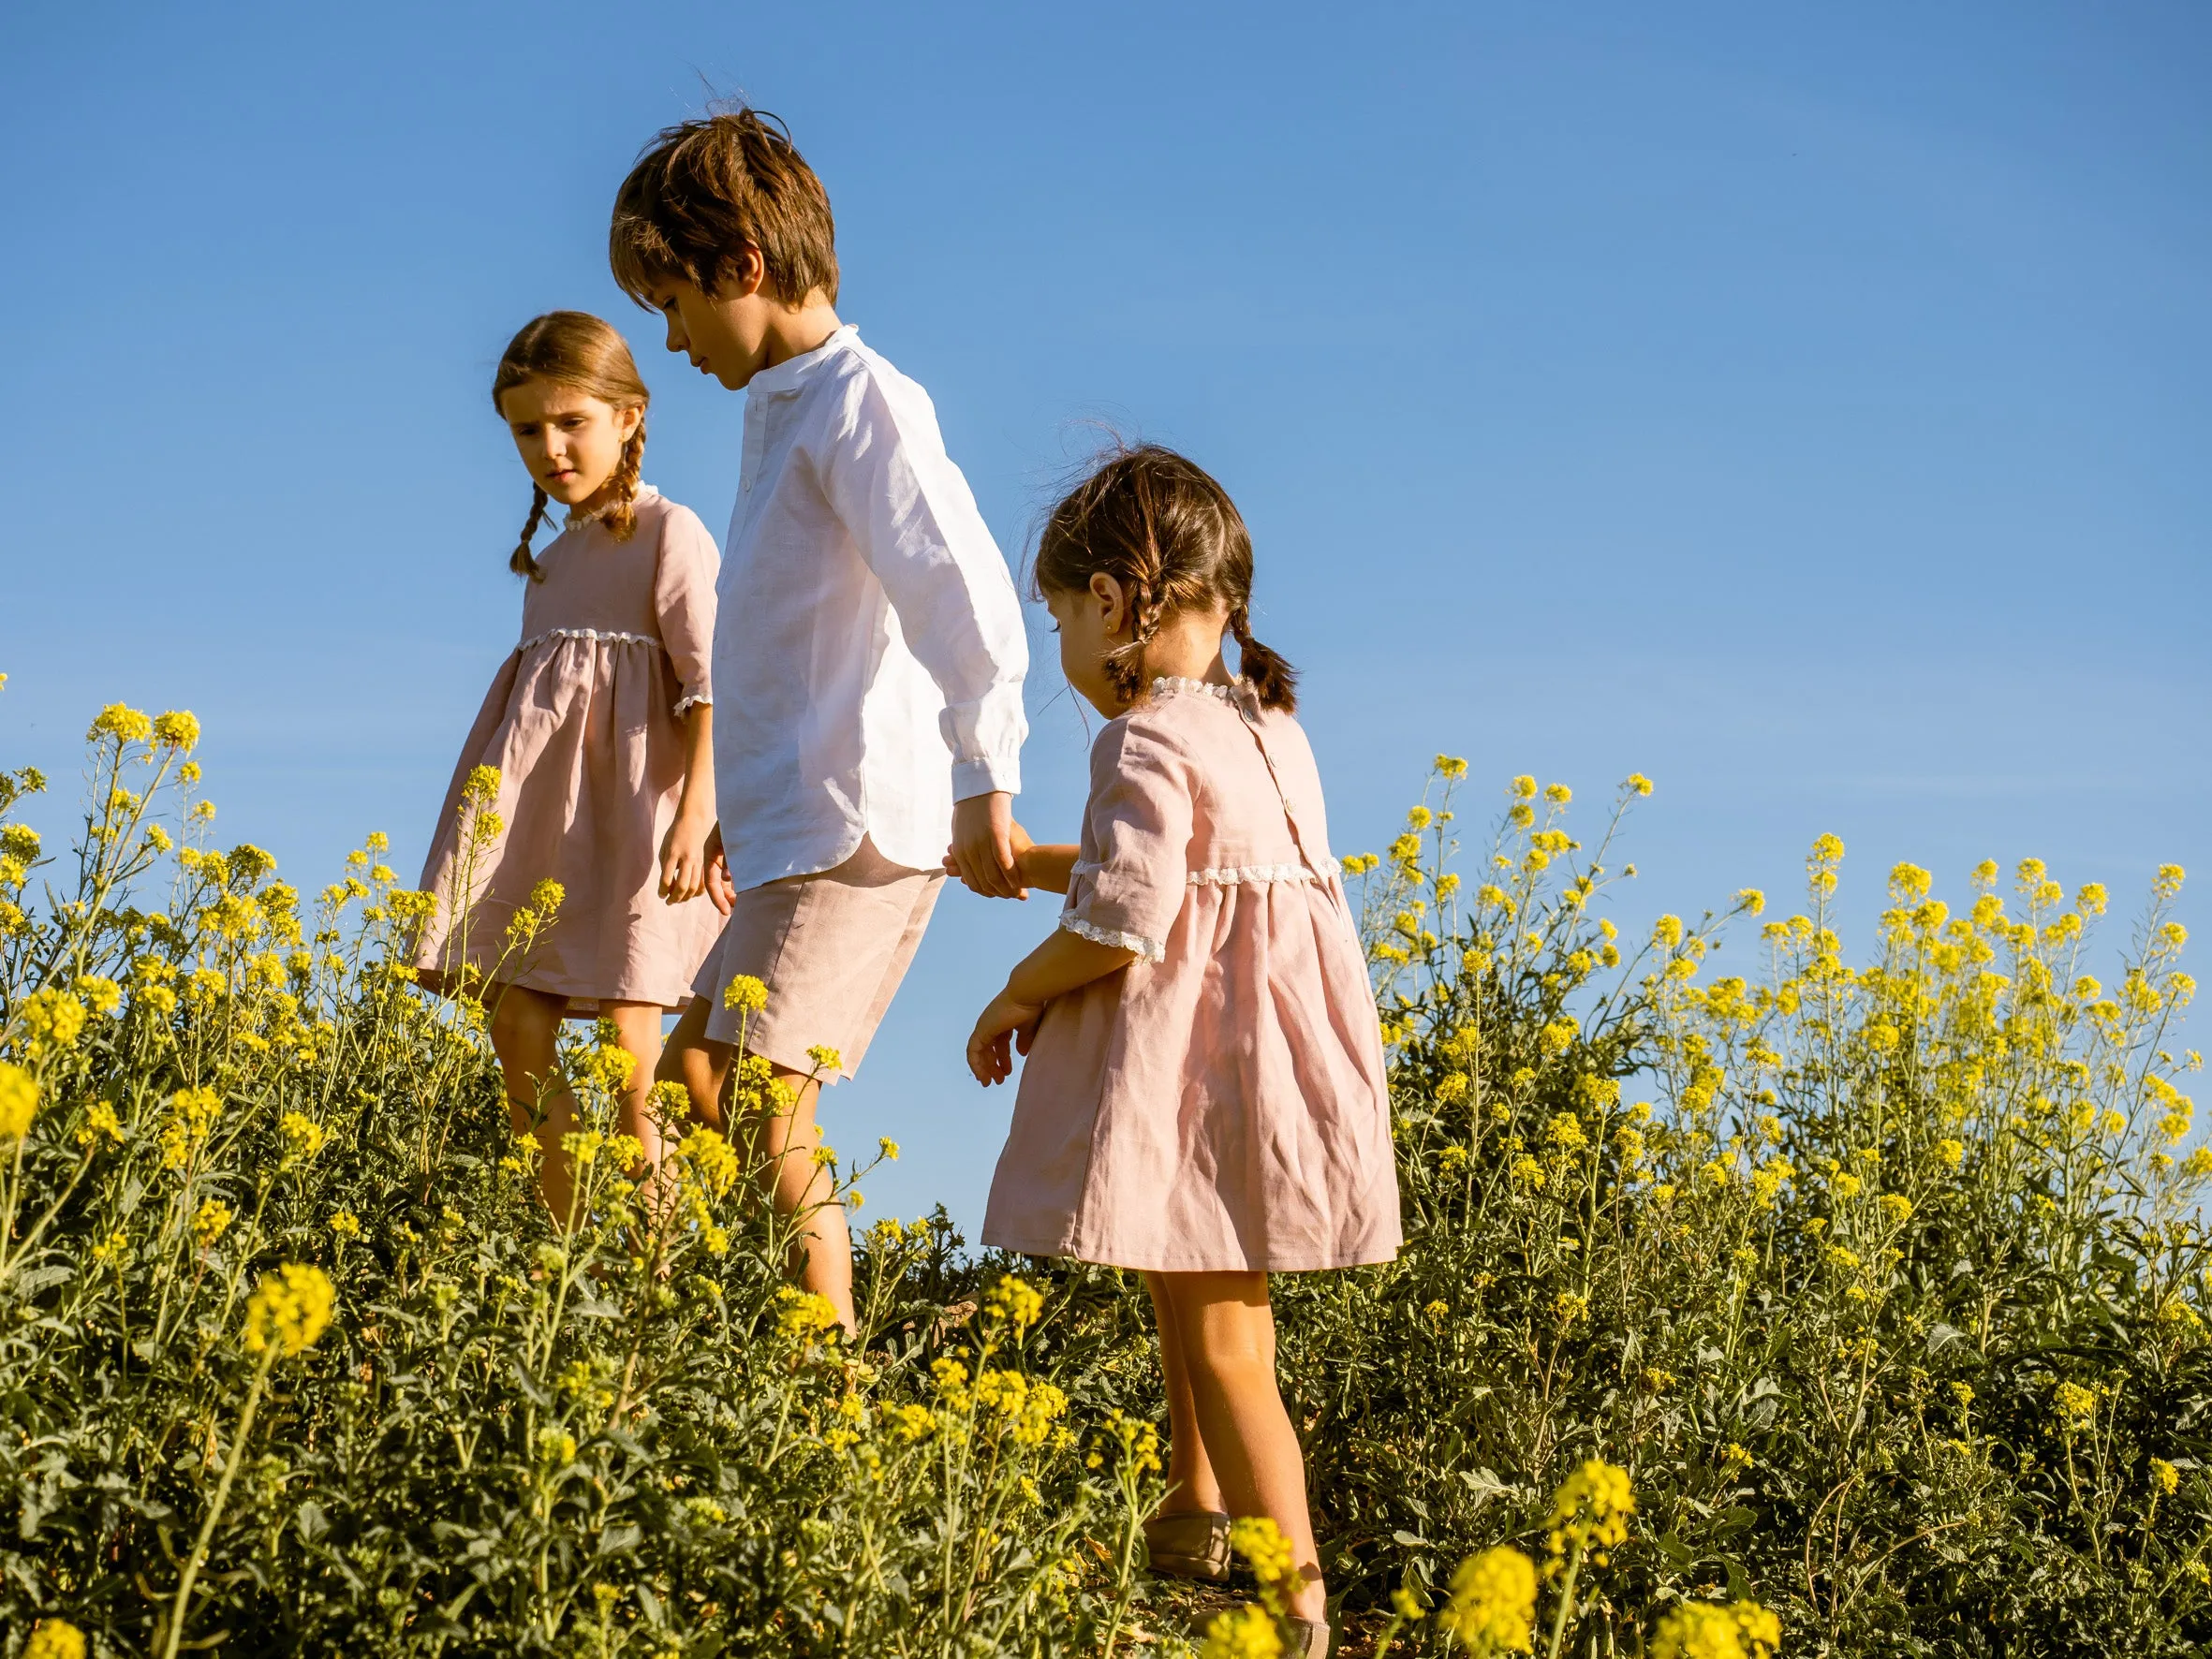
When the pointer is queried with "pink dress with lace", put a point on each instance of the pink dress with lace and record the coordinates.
(584, 722)
(1220, 1103)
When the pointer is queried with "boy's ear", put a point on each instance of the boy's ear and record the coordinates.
(749, 272)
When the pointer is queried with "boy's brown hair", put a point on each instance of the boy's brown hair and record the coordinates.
(707, 190)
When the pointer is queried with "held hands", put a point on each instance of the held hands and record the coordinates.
(985, 852)
(987, 1045)
(691, 863)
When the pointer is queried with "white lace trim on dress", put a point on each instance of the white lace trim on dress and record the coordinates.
(1231, 874)
(1170, 683)
(610, 636)
(1152, 951)
(684, 704)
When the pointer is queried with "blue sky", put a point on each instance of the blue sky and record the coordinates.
(1807, 406)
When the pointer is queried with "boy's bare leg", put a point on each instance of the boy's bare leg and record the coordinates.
(1228, 1333)
(821, 1254)
(1192, 1486)
(525, 1032)
(700, 1063)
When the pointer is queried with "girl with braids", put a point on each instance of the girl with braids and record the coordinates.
(1203, 1100)
(599, 727)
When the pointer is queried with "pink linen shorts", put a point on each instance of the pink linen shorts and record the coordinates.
(832, 948)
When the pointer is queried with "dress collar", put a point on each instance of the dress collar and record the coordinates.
(1235, 692)
(792, 373)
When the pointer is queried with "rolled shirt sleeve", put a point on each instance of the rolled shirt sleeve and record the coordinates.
(1134, 877)
(915, 523)
(684, 604)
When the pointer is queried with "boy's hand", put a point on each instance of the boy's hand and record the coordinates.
(987, 1055)
(984, 849)
(721, 891)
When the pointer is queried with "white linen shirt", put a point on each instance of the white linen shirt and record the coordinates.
(868, 644)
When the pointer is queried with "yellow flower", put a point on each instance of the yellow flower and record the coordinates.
(1267, 1551)
(1564, 1132)
(1525, 787)
(122, 723)
(1750, 901)
(826, 1058)
(1897, 1207)
(807, 1316)
(2164, 1476)
(711, 1160)
(303, 1135)
(1450, 766)
(18, 1101)
(55, 1639)
(52, 1020)
(1248, 1633)
(1700, 1630)
(889, 1149)
(746, 994)
(556, 1447)
(211, 1221)
(1016, 1301)
(1639, 783)
(2076, 1405)
(192, 1113)
(1591, 1508)
(1667, 932)
(1493, 1602)
(1949, 1153)
(291, 1306)
(1569, 1308)
(345, 1225)
(1558, 794)
(177, 730)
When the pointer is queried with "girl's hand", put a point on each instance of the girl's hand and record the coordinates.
(987, 1045)
(684, 860)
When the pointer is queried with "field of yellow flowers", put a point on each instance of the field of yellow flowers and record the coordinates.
(1822, 1309)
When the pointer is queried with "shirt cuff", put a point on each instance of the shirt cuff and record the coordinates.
(985, 775)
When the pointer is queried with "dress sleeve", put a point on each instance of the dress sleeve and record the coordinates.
(910, 514)
(1135, 876)
(684, 603)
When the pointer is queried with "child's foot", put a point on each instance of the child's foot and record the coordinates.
(1314, 1636)
(1192, 1545)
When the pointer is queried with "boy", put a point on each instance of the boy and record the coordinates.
(868, 647)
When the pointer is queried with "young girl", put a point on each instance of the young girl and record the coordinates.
(1205, 1098)
(599, 724)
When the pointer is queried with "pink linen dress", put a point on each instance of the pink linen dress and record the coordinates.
(1220, 1103)
(584, 722)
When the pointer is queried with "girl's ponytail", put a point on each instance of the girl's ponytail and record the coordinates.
(1273, 680)
(620, 516)
(522, 562)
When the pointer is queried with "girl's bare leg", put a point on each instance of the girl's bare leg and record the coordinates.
(1192, 1486)
(526, 1031)
(1226, 1331)
(637, 1031)
(821, 1255)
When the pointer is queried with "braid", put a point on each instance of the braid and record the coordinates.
(522, 561)
(1272, 678)
(622, 512)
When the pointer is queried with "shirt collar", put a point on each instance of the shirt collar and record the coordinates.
(792, 373)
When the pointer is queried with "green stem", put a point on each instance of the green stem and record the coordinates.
(1566, 1601)
(214, 1513)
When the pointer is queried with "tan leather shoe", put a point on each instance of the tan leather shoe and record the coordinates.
(1316, 1635)
(1193, 1545)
